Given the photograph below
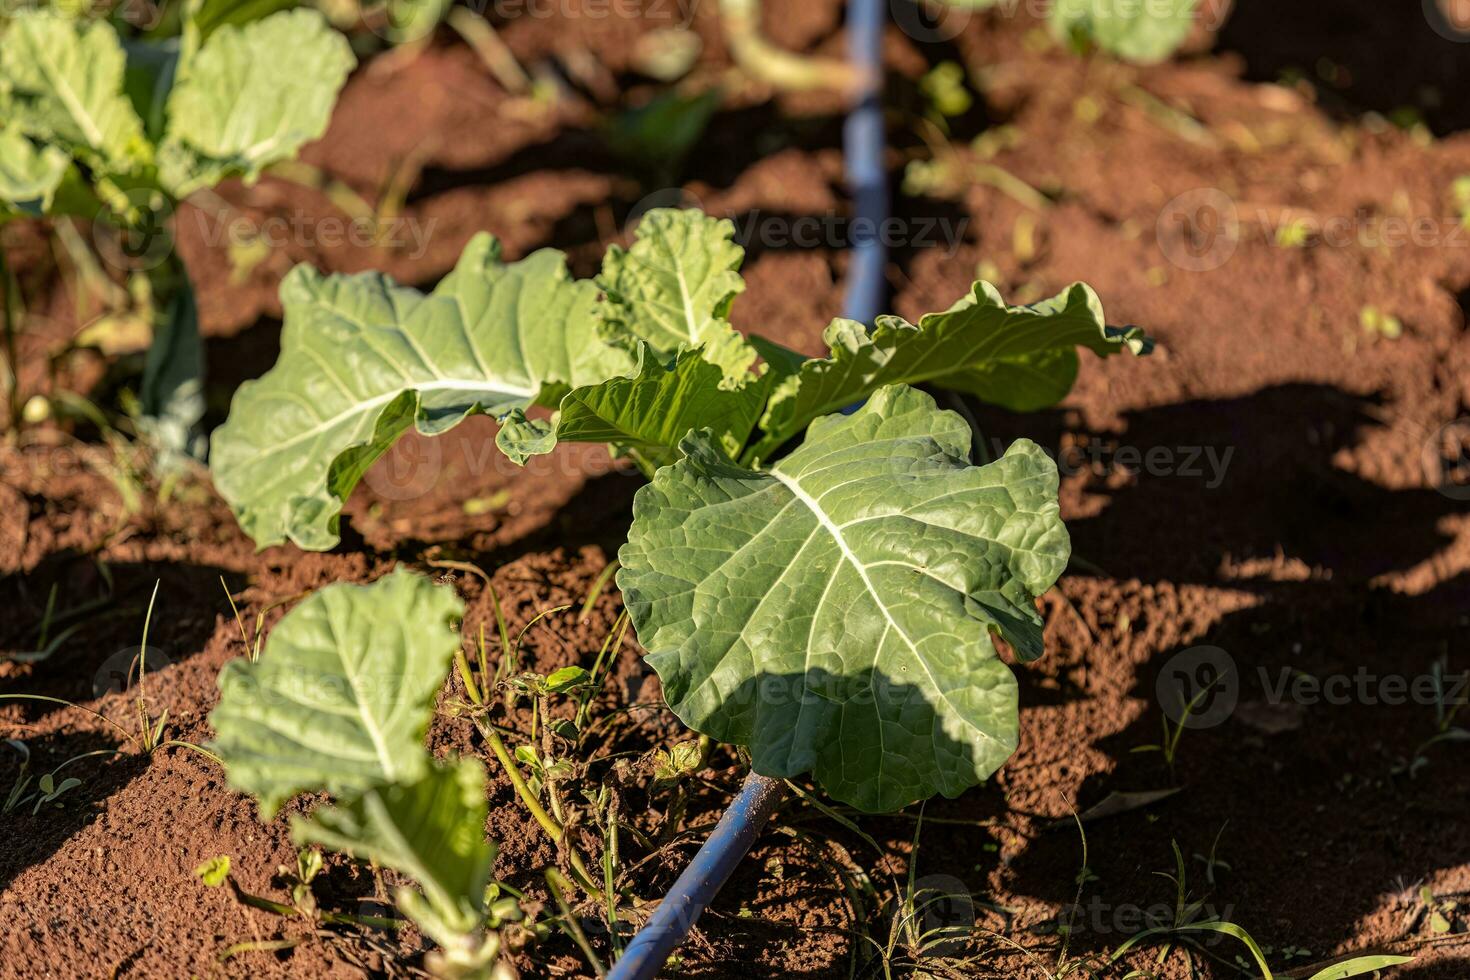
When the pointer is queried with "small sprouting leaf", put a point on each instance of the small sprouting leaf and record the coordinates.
(1019, 357)
(432, 829)
(49, 789)
(521, 437)
(674, 288)
(340, 697)
(61, 82)
(650, 412)
(308, 864)
(684, 759)
(567, 679)
(214, 871)
(1140, 32)
(834, 613)
(362, 360)
(250, 97)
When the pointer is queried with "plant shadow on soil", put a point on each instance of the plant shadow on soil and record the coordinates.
(93, 667)
(1324, 824)
(1236, 480)
(1360, 54)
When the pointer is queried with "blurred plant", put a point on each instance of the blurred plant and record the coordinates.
(118, 130)
(1378, 323)
(1460, 194)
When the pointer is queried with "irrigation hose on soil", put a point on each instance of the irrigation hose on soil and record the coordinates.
(862, 143)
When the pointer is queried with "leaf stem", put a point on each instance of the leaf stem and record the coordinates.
(548, 823)
(557, 883)
(72, 704)
(603, 578)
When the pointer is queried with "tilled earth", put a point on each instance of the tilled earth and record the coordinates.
(1275, 489)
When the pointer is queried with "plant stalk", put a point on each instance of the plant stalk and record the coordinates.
(548, 823)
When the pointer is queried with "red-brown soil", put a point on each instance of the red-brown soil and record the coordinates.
(1319, 545)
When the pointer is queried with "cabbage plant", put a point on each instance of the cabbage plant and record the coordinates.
(339, 701)
(822, 588)
(98, 126)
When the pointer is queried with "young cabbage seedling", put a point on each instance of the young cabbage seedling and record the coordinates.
(120, 131)
(339, 701)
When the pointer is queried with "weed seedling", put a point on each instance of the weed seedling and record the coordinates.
(297, 881)
(1174, 730)
(1378, 323)
(254, 639)
(149, 736)
(920, 940)
(1191, 925)
(47, 788)
(1449, 697)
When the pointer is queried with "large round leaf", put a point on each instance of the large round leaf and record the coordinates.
(834, 613)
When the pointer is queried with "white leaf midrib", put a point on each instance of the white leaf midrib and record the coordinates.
(68, 95)
(835, 531)
(358, 408)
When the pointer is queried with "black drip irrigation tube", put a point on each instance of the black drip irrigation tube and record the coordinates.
(862, 144)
